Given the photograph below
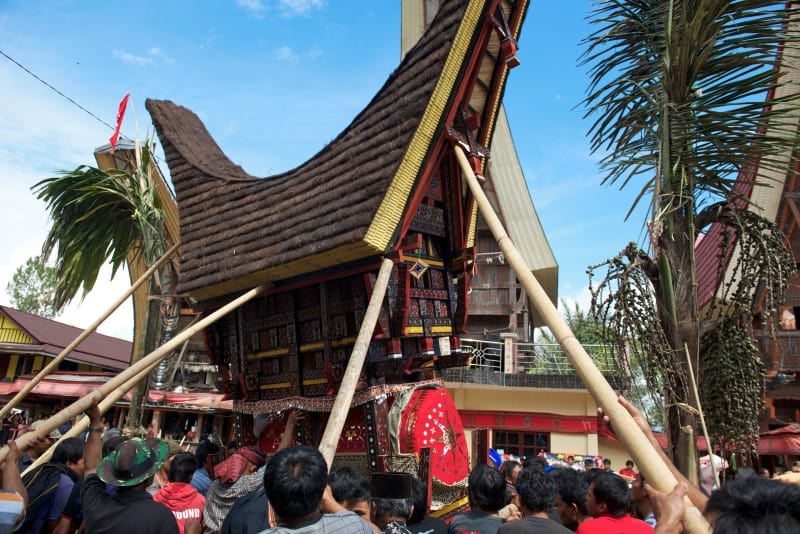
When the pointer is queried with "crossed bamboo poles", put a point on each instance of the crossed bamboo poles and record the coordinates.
(654, 468)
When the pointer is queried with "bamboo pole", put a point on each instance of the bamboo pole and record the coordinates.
(641, 450)
(81, 426)
(341, 406)
(115, 385)
(53, 365)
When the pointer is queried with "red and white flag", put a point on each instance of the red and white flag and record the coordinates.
(120, 115)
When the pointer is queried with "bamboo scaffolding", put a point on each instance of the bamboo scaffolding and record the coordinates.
(630, 435)
(53, 365)
(114, 388)
(341, 406)
(83, 424)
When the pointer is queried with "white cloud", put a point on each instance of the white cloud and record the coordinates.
(255, 7)
(293, 8)
(152, 57)
(285, 53)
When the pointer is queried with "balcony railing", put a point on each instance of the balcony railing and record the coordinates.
(781, 353)
(535, 365)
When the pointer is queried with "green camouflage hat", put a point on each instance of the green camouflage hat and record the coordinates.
(133, 462)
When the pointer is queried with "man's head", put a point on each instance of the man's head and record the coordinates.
(588, 463)
(42, 445)
(535, 462)
(487, 488)
(608, 495)
(295, 479)
(204, 450)
(754, 505)
(628, 464)
(350, 489)
(537, 491)
(638, 493)
(764, 472)
(70, 453)
(181, 467)
(134, 463)
(511, 470)
(419, 499)
(607, 464)
(391, 498)
(571, 489)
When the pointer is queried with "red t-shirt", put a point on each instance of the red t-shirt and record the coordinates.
(630, 473)
(607, 524)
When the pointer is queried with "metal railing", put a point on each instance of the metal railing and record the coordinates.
(535, 365)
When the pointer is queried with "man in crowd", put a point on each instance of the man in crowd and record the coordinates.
(201, 480)
(49, 486)
(391, 502)
(420, 522)
(570, 502)
(130, 469)
(182, 499)
(537, 493)
(608, 502)
(39, 447)
(296, 484)
(486, 487)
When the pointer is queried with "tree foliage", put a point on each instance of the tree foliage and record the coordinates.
(32, 288)
(687, 96)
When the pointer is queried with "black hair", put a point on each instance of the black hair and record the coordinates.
(537, 490)
(534, 462)
(181, 467)
(606, 461)
(347, 485)
(295, 479)
(487, 488)
(204, 449)
(419, 495)
(112, 444)
(508, 468)
(754, 505)
(629, 463)
(612, 490)
(571, 486)
(388, 508)
(69, 450)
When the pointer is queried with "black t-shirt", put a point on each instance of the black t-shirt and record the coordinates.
(130, 511)
(530, 525)
(428, 525)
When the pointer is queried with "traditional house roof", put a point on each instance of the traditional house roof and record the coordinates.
(37, 335)
(348, 201)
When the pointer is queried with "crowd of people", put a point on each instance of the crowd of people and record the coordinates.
(110, 483)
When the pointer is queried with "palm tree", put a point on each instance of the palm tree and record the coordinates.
(678, 91)
(112, 216)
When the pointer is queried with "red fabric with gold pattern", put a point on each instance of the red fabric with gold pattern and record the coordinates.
(430, 419)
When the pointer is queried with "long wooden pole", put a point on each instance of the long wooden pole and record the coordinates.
(118, 382)
(341, 406)
(53, 365)
(634, 440)
(81, 426)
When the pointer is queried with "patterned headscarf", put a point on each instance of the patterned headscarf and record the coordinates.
(229, 470)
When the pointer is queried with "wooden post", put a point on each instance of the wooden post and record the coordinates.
(116, 386)
(341, 406)
(655, 471)
(53, 365)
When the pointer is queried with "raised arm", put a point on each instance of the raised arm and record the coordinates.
(93, 451)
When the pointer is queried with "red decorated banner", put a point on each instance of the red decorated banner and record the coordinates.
(120, 116)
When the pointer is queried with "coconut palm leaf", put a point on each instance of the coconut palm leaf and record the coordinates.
(678, 91)
(99, 217)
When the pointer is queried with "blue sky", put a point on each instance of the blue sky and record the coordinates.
(274, 81)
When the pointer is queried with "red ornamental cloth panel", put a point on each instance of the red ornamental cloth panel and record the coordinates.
(430, 419)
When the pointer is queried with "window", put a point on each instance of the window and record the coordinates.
(521, 443)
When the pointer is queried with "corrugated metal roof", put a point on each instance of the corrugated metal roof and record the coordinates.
(52, 337)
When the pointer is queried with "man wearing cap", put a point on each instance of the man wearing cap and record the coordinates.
(391, 502)
(130, 468)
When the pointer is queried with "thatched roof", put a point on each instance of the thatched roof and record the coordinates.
(345, 203)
